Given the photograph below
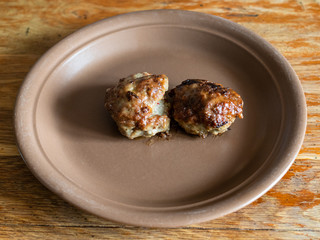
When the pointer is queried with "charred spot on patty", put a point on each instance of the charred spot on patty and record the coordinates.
(131, 95)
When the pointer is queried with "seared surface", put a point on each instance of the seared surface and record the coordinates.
(137, 105)
(202, 107)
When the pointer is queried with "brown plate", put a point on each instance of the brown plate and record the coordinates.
(73, 147)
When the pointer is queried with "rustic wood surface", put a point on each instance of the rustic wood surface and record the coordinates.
(290, 210)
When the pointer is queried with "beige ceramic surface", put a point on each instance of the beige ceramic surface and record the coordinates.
(74, 148)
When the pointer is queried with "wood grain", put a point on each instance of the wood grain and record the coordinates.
(290, 210)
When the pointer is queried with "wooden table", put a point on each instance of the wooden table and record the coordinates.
(290, 210)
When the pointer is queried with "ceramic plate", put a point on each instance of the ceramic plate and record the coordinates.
(74, 148)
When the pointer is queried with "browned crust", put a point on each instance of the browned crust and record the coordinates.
(130, 102)
(203, 102)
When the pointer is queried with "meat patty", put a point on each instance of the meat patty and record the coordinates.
(137, 105)
(202, 107)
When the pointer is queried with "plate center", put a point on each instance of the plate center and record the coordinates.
(82, 142)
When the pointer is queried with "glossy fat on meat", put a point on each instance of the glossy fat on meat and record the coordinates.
(202, 107)
(137, 105)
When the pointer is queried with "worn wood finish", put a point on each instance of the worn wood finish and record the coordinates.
(29, 211)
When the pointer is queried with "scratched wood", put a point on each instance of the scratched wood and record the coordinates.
(290, 210)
